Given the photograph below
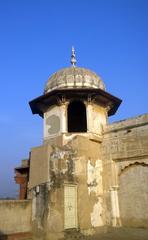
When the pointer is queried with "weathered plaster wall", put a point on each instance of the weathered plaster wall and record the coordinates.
(48, 201)
(77, 163)
(133, 196)
(96, 118)
(15, 216)
(88, 172)
(39, 165)
(125, 144)
(127, 138)
(52, 122)
(56, 126)
(101, 171)
(55, 219)
(47, 212)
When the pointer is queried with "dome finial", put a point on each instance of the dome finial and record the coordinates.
(73, 58)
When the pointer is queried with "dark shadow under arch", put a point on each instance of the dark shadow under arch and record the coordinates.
(77, 121)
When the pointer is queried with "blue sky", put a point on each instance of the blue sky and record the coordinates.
(110, 38)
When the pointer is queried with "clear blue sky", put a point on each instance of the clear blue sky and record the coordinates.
(110, 37)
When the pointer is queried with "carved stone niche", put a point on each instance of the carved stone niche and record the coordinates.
(124, 164)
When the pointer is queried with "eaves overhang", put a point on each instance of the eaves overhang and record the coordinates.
(40, 104)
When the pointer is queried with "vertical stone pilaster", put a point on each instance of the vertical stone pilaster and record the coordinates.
(88, 114)
(64, 117)
(115, 212)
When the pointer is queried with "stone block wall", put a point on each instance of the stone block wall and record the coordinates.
(15, 216)
(125, 168)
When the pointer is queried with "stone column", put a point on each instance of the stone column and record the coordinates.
(64, 118)
(88, 116)
(115, 212)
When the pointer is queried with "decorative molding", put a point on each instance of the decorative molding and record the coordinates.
(130, 158)
(132, 164)
(128, 127)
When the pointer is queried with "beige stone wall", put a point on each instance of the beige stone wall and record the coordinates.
(133, 196)
(52, 122)
(88, 171)
(96, 119)
(125, 145)
(101, 168)
(127, 139)
(55, 220)
(15, 216)
(39, 165)
(78, 162)
(56, 125)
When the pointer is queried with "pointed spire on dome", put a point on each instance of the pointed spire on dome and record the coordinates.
(73, 58)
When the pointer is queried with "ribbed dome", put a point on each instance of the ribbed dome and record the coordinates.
(74, 77)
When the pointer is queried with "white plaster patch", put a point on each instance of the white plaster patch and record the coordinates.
(94, 177)
(69, 138)
(66, 155)
(96, 215)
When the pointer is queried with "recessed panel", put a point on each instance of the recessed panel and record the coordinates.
(53, 124)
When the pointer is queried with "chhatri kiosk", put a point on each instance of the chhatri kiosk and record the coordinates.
(77, 178)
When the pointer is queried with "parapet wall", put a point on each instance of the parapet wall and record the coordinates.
(15, 216)
(129, 123)
(126, 139)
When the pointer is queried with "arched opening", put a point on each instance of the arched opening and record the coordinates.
(77, 117)
(133, 189)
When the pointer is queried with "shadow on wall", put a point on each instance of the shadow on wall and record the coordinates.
(15, 236)
(3, 236)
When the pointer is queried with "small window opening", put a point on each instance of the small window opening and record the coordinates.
(77, 117)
